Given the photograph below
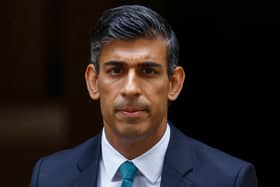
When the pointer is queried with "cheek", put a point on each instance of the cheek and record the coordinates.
(157, 94)
(106, 93)
(106, 88)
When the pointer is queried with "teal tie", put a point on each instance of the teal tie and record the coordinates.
(128, 172)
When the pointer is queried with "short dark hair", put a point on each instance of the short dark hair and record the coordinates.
(130, 22)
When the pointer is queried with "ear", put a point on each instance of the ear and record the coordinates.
(176, 83)
(91, 77)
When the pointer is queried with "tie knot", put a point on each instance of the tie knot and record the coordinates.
(128, 171)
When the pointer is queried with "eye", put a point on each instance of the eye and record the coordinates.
(115, 71)
(148, 71)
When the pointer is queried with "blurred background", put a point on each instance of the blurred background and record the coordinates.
(228, 49)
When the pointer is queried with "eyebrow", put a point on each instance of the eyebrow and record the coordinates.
(122, 63)
(150, 64)
(114, 63)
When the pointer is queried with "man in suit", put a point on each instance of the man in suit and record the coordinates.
(134, 73)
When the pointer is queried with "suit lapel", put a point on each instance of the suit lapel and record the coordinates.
(88, 178)
(176, 168)
(89, 165)
(171, 177)
(177, 162)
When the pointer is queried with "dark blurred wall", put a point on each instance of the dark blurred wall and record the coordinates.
(44, 106)
(23, 101)
(226, 50)
(230, 53)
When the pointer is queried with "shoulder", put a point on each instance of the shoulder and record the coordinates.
(213, 165)
(202, 152)
(229, 169)
(213, 157)
(75, 153)
(62, 167)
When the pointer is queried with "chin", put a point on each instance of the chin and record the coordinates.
(133, 131)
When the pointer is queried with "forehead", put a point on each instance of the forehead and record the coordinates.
(135, 51)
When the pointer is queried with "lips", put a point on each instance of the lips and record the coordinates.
(131, 109)
(131, 112)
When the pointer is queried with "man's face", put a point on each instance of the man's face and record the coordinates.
(133, 88)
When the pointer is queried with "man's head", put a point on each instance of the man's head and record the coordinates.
(132, 22)
(134, 73)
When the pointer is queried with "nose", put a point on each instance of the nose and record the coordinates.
(131, 85)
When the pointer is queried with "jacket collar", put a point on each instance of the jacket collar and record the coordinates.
(178, 162)
(88, 165)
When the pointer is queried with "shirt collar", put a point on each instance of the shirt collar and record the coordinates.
(155, 154)
(112, 159)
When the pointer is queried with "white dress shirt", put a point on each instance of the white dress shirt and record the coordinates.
(149, 164)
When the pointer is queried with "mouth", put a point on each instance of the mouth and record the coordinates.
(131, 112)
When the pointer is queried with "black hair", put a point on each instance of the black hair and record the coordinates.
(130, 22)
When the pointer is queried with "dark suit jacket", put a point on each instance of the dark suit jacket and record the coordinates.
(187, 163)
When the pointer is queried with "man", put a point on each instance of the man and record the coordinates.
(135, 74)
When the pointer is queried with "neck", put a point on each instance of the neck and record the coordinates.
(136, 146)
